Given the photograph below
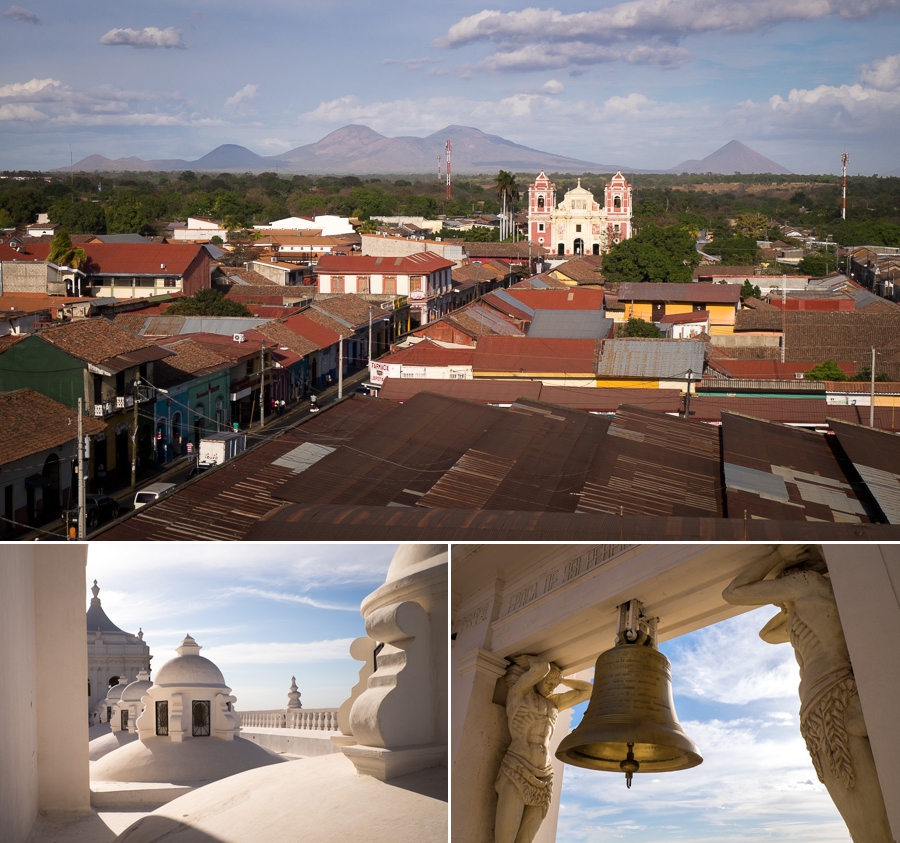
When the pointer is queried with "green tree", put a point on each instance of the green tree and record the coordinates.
(827, 371)
(63, 253)
(749, 291)
(636, 327)
(751, 225)
(816, 264)
(655, 255)
(865, 374)
(207, 302)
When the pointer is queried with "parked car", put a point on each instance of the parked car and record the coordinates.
(152, 493)
(97, 509)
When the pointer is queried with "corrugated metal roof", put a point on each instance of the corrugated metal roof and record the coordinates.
(813, 479)
(876, 456)
(574, 324)
(651, 359)
(655, 464)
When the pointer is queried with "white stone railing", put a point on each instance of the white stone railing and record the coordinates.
(310, 719)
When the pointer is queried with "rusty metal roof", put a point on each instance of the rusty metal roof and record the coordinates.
(370, 523)
(778, 472)
(654, 464)
(876, 456)
(650, 359)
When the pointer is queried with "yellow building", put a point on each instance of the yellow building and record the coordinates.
(651, 302)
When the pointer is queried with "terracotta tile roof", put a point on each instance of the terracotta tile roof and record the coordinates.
(189, 357)
(22, 303)
(420, 263)
(31, 422)
(472, 273)
(694, 292)
(584, 270)
(280, 333)
(275, 293)
(427, 353)
(242, 277)
(477, 320)
(536, 355)
(315, 330)
(718, 270)
(96, 340)
(568, 299)
(510, 251)
(226, 347)
(133, 258)
(349, 308)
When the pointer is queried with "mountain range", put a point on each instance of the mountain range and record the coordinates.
(359, 150)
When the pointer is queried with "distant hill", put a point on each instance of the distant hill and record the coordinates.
(359, 150)
(734, 157)
(355, 150)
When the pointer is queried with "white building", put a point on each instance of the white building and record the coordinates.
(326, 224)
(579, 225)
(114, 656)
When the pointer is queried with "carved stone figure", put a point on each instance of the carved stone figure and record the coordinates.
(525, 782)
(831, 718)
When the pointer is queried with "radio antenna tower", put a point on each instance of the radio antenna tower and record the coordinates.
(448, 168)
(844, 159)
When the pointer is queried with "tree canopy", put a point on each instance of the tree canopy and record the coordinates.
(207, 302)
(654, 254)
(827, 371)
(636, 327)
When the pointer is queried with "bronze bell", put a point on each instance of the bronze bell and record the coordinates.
(630, 724)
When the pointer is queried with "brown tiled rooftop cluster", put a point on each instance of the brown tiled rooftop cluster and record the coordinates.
(93, 340)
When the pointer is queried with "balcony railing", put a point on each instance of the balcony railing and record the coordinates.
(124, 402)
(309, 719)
(104, 408)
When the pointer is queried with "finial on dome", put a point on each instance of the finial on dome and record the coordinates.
(95, 590)
(188, 647)
(294, 695)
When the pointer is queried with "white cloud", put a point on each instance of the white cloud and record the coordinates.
(552, 87)
(27, 113)
(248, 92)
(728, 663)
(285, 597)
(148, 38)
(18, 13)
(883, 74)
(536, 38)
(28, 89)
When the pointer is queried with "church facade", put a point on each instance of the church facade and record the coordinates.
(579, 225)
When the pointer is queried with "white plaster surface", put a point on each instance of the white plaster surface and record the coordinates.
(84, 827)
(302, 743)
(196, 760)
(104, 744)
(318, 799)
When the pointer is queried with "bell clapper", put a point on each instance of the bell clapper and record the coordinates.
(629, 765)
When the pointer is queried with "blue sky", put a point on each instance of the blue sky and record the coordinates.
(643, 83)
(262, 613)
(736, 697)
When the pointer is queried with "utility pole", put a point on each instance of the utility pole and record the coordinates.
(340, 369)
(262, 384)
(687, 396)
(134, 431)
(82, 532)
(872, 391)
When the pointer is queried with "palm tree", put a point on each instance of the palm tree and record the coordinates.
(508, 193)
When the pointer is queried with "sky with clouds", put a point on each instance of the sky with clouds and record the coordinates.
(262, 613)
(640, 83)
(736, 698)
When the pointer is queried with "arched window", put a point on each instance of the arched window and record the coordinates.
(617, 203)
(540, 203)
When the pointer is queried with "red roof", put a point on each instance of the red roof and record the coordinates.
(685, 318)
(420, 263)
(821, 305)
(122, 258)
(312, 330)
(770, 369)
(535, 354)
(427, 353)
(571, 299)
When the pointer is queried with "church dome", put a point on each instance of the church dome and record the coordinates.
(115, 692)
(413, 558)
(189, 668)
(137, 689)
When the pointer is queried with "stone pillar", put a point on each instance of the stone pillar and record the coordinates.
(866, 582)
(62, 745)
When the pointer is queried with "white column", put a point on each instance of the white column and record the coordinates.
(866, 581)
